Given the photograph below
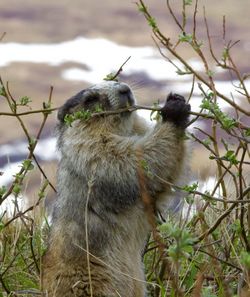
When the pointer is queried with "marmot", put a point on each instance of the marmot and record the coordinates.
(99, 208)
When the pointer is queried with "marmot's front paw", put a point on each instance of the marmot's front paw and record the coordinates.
(176, 110)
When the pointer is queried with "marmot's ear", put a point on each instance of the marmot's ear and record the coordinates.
(70, 105)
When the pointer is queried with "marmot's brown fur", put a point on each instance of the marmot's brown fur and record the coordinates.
(99, 207)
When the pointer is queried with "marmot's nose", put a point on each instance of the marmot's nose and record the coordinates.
(125, 96)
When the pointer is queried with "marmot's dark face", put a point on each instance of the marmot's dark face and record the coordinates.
(109, 95)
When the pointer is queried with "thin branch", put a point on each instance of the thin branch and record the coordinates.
(172, 14)
(114, 76)
(207, 196)
(43, 111)
(194, 18)
(219, 259)
(222, 217)
(224, 28)
(242, 214)
(43, 173)
(22, 213)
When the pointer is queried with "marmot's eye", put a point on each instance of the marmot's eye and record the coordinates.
(91, 98)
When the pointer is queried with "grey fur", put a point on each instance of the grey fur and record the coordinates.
(99, 163)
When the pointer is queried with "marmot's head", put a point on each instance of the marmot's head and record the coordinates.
(109, 95)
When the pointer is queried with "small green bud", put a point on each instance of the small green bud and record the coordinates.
(27, 165)
(24, 100)
(3, 190)
(16, 189)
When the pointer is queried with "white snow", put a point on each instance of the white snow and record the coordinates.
(12, 205)
(45, 150)
(100, 56)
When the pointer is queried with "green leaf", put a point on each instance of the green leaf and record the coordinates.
(32, 142)
(210, 73)
(247, 132)
(189, 199)
(18, 177)
(183, 241)
(190, 188)
(1, 226)
(225, 54)
(208, 292)
(46, 105)
(186, 37)
(27, 165)
(152, 23)
(245, 259)
(207, 141)
(24, 100)
(3, 190)
(16, 189)
(110, 77)
(144, 165)
(236, 226)
(2, 91)
(141, 8)
(226, 121)
(231, 157)
(98, 108)
(78, 115)
(166, 228)
(155, 115)
(206, 104)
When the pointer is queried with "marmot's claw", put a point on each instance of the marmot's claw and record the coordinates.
(175, 97)
(176, 110)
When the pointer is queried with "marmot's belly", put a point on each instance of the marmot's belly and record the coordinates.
(96, 279)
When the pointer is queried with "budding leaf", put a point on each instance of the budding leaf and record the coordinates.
(186, 37)
(226, 121)
(110, 76)
(3, 190)
(245, 259)
(78, 115)
(231, 157)
(225, 54)
(24, 100)
(247, 132)
(141, 8)
(27, 165)
(152, 23)
(16, 189)
(2, 91)
(190, 188)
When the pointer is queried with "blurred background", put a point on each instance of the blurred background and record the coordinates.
(72, 44)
